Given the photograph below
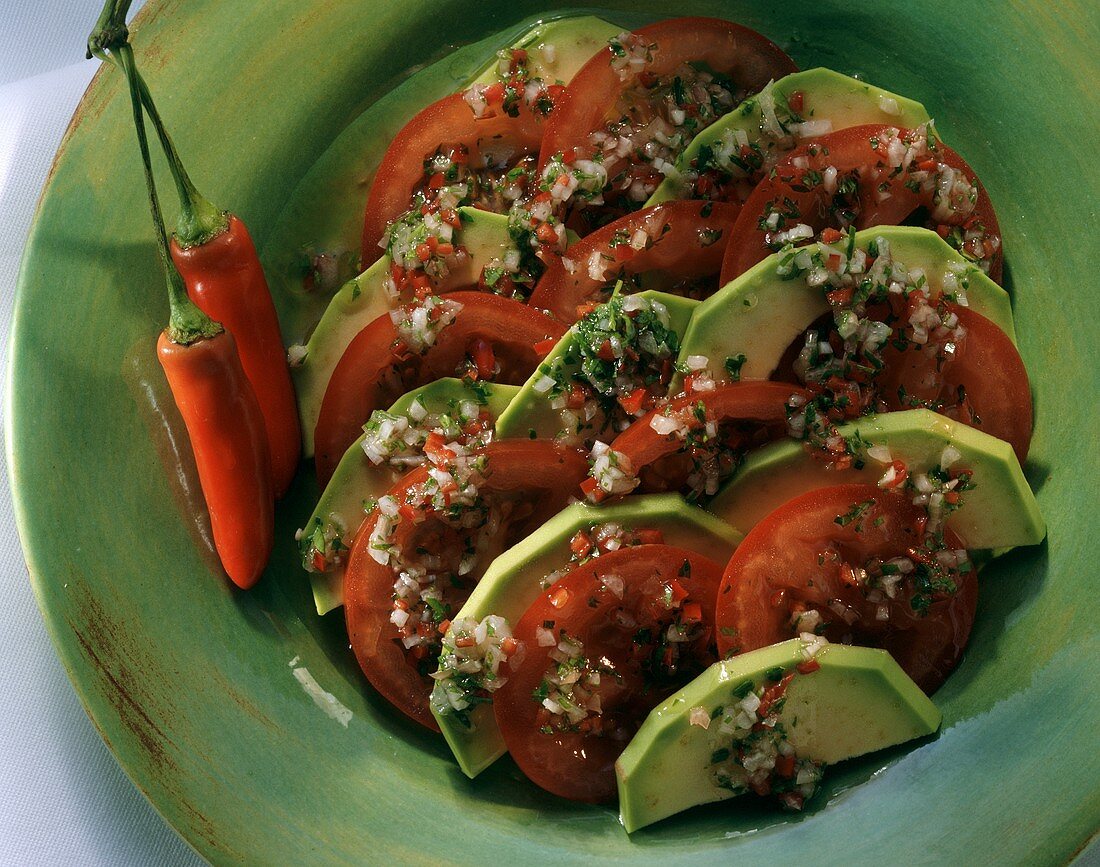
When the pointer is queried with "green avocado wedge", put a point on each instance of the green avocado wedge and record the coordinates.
(859, 701)
(826, 96)
(761, 313)
(514, 580)
(362, 300)
(557, 49)
(357, 480)
(532, 415)
(1000, 512)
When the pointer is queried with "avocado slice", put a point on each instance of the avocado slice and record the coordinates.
(826, 95)
(357, 480)
(858, 702)
(761, 313)
(571, 43)
(779, 471)
(513, 582)
(362, 300)
(531, 414)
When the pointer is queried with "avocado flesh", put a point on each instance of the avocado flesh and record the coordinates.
(761, 313)
(827, 95)
(575, 40)
(358, 479)
(513, 582)
(777, 472)
(362, 300)
(858, 702)
(531, 411)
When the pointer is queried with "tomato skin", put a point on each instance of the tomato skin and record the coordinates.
(449, 121)
(580, 766)
(986, 364)
(677, 252)
(539, 473)
(747, 57)
(846, 150)
(750, 401)
(778, 563)
(369, 376)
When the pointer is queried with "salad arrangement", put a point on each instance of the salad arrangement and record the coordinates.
(664, 432)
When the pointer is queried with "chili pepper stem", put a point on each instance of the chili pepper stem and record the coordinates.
(187, 324)
(199, 220)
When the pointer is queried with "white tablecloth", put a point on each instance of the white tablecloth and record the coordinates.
(63, 798)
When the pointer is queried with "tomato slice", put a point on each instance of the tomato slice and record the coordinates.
(526, 482)
(745, 56)
(802, 564)
(496, 140)
(637, 104)
(374, 370)
(984, 384)
(744, 414)
(867, 190)
(677, 246)
(622, 608)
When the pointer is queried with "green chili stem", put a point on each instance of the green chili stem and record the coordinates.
(186, 322)
(199, 220)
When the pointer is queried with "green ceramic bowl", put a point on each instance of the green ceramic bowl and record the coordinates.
(193, 685)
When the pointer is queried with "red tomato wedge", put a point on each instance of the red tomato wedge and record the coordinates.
(533, 478)
(496, 139)
(376, 369)
(804, 563)
(610, 620)
(984, 385)
(746, 57)
(745, 414)
(869, 189)
(676, 245)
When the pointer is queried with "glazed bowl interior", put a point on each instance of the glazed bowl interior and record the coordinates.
(282, 109)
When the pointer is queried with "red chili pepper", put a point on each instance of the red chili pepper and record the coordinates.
(546, 234)
(483, 357)
(208, 382)
(225, 426)
(773, 694)
(544, 346)
(795, 102)
(224, 278)
(580, 544)
(650, 537)
(591, 490)
(808, 667)
(692, 612)
(679, 594)
(633, 402)
(220, 268)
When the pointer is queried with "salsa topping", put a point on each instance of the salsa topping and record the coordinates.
(418, 323)
(515, 87)
(470, 662)
(751, 750)
(618, 368)
(877, 303)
